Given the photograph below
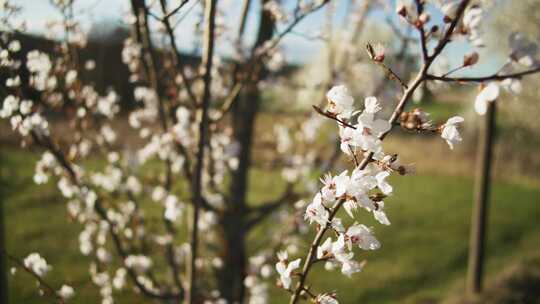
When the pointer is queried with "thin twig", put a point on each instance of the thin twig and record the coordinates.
(392, 75)
(168, 15)
(453, 70)
(494, 77)
(333, 116)
(176, 53)
(420, 27)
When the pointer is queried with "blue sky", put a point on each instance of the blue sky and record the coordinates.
(297, 48)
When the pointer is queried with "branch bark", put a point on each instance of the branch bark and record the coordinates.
(494, 77)
(208, 53)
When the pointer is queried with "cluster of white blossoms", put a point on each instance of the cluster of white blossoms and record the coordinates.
(352, 191)
(471, 25)
(139, 263)
(285, 268)
(259, 271)
(365, 187)
(173, 208)
(364, 135)
(37, 264)
(131, 54)
(66, 292)
(39, 65)
(43, 167)
(21, 117)
(149, 111)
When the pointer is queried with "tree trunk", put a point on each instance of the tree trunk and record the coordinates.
(231, 278)
(478, 236)
(244, 114)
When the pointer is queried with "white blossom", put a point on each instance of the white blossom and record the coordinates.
(340, 102)
(316, 212)
(139, 263)
(361, 235)
(450, 132)
(285, 269)
(37, 264)
(173, 208)
(489, 94)
(326, 299)
(71, 76)
(39, 65)
(66, 292)
(14, 46)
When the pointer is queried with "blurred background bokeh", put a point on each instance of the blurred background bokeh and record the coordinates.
(424, 254)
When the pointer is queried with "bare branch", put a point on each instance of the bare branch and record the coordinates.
(333, 116)
(272, 43)
(176, 53)
(264, 210)
(494, 77)
(168, 15)
(229, 100)
(174, 11)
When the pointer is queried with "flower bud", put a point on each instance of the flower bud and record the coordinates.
(401, 9)
(376, 53)
(424, 18)
(470, 59)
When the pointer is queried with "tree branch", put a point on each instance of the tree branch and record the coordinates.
(102, 212)
(208, 53)
(264, 210)
(176, 52)
(42, 283)
(494, 77)
(420, 27)
(421, 77)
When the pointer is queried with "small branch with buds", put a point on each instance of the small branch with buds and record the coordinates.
(422, 19)
(419, 79)
(45, 287)
(378, 58)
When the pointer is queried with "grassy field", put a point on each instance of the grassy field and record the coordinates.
(423, 257)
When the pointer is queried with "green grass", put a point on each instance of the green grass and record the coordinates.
(423, 254)
(424, 251)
